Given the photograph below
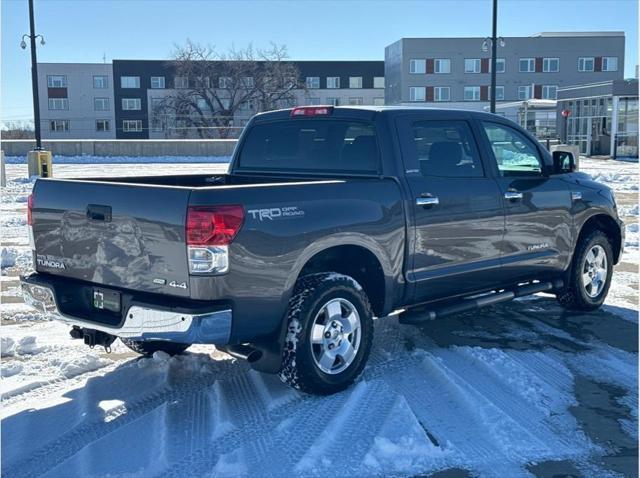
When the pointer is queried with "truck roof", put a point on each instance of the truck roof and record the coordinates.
(369, 111)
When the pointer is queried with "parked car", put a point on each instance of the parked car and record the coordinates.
(327, 218)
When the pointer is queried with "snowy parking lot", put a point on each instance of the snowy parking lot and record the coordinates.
(520, 389)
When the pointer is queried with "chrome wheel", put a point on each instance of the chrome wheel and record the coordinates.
(335, 336)
(594, 271)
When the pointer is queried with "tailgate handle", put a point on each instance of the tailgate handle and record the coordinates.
(97, 212)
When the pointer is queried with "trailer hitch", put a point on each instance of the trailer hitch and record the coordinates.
(93, 337)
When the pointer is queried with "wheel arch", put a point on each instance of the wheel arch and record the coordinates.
(609, 226)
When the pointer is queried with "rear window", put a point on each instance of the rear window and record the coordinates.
(310, 145)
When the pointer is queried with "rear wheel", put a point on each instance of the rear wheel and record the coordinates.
(329, 334)
(149, 347)
(590, 274)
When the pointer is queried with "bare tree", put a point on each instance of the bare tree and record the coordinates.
(17, 130)
(212, 89)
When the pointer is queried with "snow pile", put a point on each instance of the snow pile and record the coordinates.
(617, 181)
(8, 257)
(8, 346)
(632, 236)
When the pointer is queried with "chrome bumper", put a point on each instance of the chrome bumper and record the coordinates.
(141, 323)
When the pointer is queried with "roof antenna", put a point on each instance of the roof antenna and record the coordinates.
(104, 58)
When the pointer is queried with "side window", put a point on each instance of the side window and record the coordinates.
(445, 149)
(515, 154)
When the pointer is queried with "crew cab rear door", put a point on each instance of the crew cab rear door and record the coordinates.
(538, 223)
(456, 207)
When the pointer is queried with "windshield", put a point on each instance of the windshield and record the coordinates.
(310, 145)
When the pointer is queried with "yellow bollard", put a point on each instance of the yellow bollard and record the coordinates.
(39, 163)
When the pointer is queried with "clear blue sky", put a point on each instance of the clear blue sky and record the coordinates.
(84, 30)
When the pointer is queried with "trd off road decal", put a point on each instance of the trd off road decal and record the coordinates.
(273, 213)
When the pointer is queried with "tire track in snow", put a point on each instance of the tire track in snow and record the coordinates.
(70, 442)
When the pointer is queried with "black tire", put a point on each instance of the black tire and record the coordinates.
(299, 368)
(574, 296)
(149, 347)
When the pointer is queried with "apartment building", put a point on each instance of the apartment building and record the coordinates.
(118, 100)
(456, 72)
(76, 101)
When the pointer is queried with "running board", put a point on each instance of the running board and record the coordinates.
(419, 315)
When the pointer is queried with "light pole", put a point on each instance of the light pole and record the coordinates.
(494, 40)
(34, 73)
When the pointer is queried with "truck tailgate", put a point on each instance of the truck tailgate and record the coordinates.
(121, 235)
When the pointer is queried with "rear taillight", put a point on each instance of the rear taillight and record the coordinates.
(209, 230)
(312, 111)
(213, 225)
(30, 210)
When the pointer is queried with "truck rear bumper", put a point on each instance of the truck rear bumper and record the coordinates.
(141, 321)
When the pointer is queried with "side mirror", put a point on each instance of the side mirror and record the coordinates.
(563, 162)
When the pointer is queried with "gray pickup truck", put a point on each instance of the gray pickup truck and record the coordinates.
(327, 218)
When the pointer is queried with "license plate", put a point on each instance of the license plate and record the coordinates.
(106, 300)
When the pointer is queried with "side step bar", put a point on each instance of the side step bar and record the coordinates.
(419, 315)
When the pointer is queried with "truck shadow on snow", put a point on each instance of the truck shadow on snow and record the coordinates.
(521, 386)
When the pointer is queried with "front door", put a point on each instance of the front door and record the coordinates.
(537, 239)
(456, 208)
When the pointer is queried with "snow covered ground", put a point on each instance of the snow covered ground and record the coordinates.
(520, 389)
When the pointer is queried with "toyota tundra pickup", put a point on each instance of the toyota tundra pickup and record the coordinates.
(327, 217)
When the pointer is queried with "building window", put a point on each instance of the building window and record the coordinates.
(101, 81)
(225, 82)
(355, 82)
(181, 82)
(101, 104)
(132, 126)
(525, 92)
(312, 101)
(585, 63)
(58, 103)
(59, 126)
(131, 104)
(549, 92)
(378, 101)
(356, 101)
(56, 81)
(527, 65)
(333, 101)
(472, 65)
(333, 82)
(313, 82)
(157, 82)
(442, 65)
(378, 81)
(247, 82)
(472, 93)
(441, 93)
(417, 66)
(417, 93)
(551, 65)
(499, 93)
(129, 82)
(609, 63)
(102, 126)
(500, 65)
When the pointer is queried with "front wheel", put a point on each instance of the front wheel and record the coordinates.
(329, 334)
(590, 274)
(149, 347)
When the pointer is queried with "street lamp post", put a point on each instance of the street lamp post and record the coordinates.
(34, 73)
(494, 47)
(494, 40)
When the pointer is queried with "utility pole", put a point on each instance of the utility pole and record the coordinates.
(494, 54)
(34, 77)
(38, 160)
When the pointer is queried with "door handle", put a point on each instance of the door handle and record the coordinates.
(426, 201)
(513, 195)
